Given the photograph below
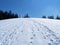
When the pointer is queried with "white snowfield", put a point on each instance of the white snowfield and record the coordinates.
(29, 31)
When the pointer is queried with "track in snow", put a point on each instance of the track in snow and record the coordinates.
(27, 32)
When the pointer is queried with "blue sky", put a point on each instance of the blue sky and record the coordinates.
(35, 8)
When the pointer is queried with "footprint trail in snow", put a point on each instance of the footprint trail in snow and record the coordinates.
(26, 32)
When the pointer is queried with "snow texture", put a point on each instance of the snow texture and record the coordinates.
(30, 31)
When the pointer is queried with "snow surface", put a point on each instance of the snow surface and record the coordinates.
(30, 31)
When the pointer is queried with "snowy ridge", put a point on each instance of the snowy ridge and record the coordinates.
(29, 31)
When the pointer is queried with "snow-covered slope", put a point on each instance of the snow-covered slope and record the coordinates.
(29, 31)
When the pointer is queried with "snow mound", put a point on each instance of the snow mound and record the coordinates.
(29, 31)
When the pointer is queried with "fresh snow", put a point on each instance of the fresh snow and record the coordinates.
(30, 31)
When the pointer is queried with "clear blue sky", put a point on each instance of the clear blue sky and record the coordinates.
(35, 8)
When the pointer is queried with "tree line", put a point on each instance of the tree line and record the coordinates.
(9, 15)
(52, 17)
